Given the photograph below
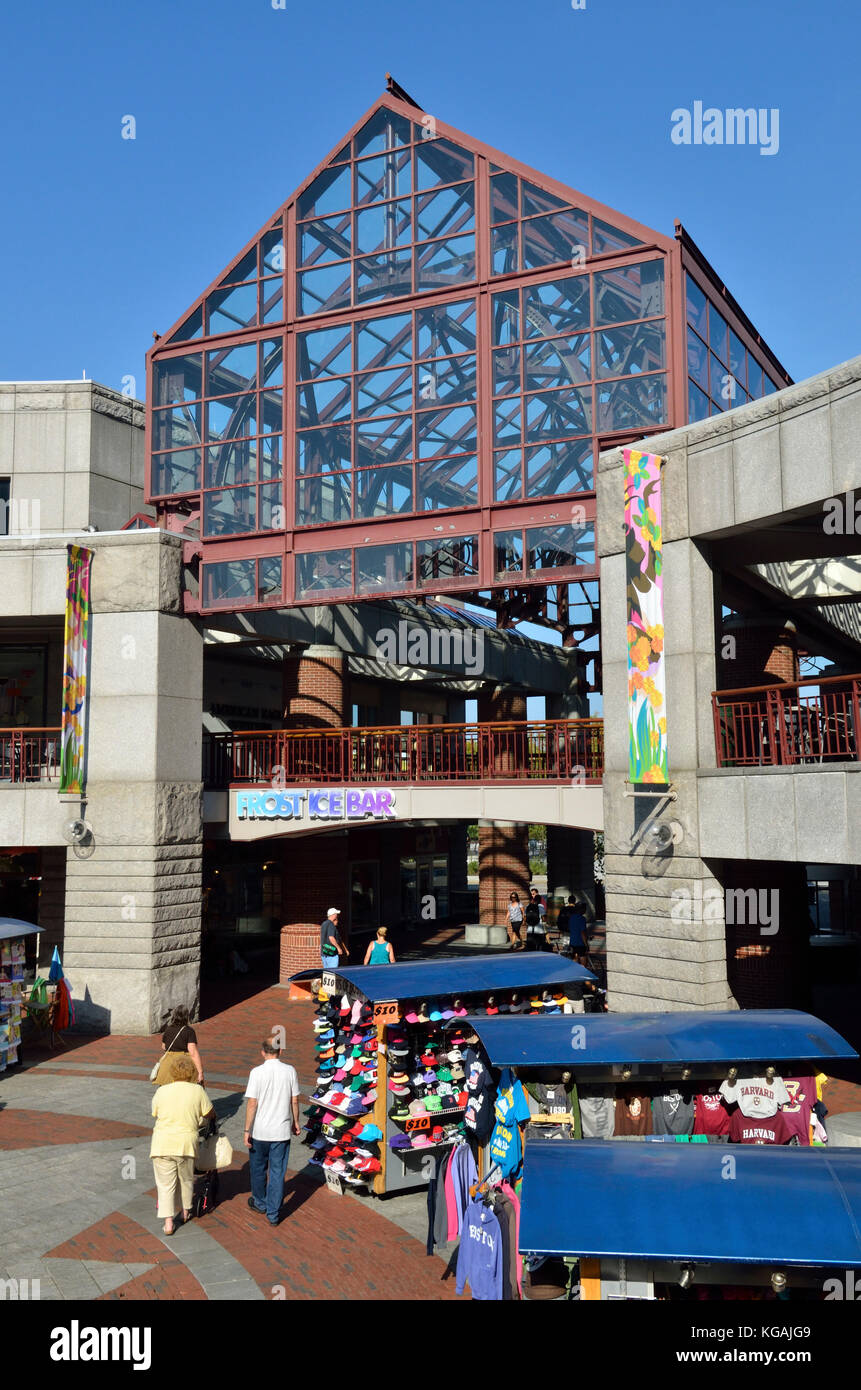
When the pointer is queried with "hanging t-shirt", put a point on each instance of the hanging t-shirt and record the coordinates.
(761, 1129)
(673, 1113)
(597, 1116)
(802, 1098)
(633, 1114)
(511, 1110)
(755, 1096)
(478, 1116)
(710, 1114)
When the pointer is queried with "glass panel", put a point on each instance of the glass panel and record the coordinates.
(503, 249)
(323, 572)
(629, 292)
(384, 342)
(383, 568)
(176, 428)
(448, 483)
(384, 277)
(229, 512)
(269, 585)
(559, 306)
(229, 582)
(327, 239)
(503, 198)
(638, 347)
(737, 358)
(552, 414)
(698, 362)
(321, 402)
(323, 451)
(632, 403)
(231, 417)
(324, 289)
(231, 369)
(228, 309)
(719, 382)
(508, 553)
(271, 412)
(446, 432)
(697, 307)
(323, 499)
(191, 328)
(698, 404)
(507, 475)
(384, 393)
(387, 176)
(271, 362)
(271, 301)
(441, 161)
(269, 460)
(379, 442)
(446, 329)
(608, 238)
(555, 469)
(557, 362)
(507, 421)
(449, 381)
(718, 331)
(536, 200)
(176, 473)
(385, 129)
(453, 558)
(224, 465)
(549, 240)
(384, 227)
(329, 192)
(442, 263)
(272, 252)
(383, 491)
(506, 371)
(271, 510)
(557, 547)
(506, 317)
(729, 393)
(178, 379)
(754, 377)
(446, 213)
(246, 269)
(325, 352)
(768, 386)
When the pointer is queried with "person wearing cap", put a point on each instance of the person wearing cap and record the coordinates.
(271, 1119)
(331, 945)
(380, 952)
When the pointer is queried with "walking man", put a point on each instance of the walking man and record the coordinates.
(271, 1117)
(331, 946)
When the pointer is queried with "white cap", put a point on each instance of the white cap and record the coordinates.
(333, 912)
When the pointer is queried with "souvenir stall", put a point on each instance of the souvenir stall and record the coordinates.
(395, 1066)
(724, 1082)
(12, 966)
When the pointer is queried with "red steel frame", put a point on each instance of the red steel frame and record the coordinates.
(783, 725)
(25, 752)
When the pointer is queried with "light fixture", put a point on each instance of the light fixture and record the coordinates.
(687, 1276)
(778, 1281)
(662, 834)
(77, 831)
(627, 1072)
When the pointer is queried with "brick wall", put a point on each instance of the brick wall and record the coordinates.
(314, 878)
(316, 689)
(503, 867)
(769, 969)
(760, 653)
(300, 948)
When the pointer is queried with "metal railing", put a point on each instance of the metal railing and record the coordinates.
(30, 755)
(555, 750)
(810, 721)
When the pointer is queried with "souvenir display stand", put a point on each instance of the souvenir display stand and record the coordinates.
(12, 959)
(390, 1096)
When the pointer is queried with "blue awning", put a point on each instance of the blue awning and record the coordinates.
(748, 1035)
(423, 979)
(11, 927)
(641, 1200)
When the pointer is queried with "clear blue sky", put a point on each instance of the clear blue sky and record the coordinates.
(105, 239)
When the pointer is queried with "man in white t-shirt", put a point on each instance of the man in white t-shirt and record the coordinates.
(271, 1117)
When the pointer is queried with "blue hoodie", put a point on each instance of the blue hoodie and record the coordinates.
(479, 1258)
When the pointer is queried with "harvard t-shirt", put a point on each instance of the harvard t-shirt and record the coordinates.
(710, 1115)
(761, 1129)
(754, 1096)
(802, 1098)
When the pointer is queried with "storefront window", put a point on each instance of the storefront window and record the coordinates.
(365, 895)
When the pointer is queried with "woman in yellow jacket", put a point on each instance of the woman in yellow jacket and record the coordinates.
(180, 1107)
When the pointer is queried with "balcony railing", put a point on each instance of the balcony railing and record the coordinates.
(556, 750)
(30, 755)
(811, 721)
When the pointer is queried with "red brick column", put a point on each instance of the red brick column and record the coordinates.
(300, 948)
(315, 689)
(503, 867)
(314, 878)
(762, 651)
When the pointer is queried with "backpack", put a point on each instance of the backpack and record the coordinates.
(532, 915)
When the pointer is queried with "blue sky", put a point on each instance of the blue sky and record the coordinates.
(105, 240)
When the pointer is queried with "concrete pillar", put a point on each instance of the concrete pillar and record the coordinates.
(572, 703)
(316, 689)
(571, 864)
(503, 867)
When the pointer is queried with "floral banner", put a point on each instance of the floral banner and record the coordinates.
(647, 708)
(75, 655)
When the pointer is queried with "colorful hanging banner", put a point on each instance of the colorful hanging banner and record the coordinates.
(75, 655)
(647, 691)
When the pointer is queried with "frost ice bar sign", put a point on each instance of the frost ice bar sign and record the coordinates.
(353, 803)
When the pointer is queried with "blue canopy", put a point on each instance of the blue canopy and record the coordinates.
(423, 979)
(755, 1035)
(12, 927)
(641, 1200)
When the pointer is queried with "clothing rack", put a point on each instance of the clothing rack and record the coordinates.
(477, 1186)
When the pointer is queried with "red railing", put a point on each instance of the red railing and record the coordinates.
(811, 721)
(556, 750)
(29, 755)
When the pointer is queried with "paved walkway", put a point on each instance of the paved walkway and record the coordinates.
(78, 1209)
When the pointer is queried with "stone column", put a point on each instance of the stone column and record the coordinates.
(503, 846)
(316, 689)
(571, 864)
(300, 949)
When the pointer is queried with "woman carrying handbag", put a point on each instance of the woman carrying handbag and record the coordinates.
(178, 1039)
